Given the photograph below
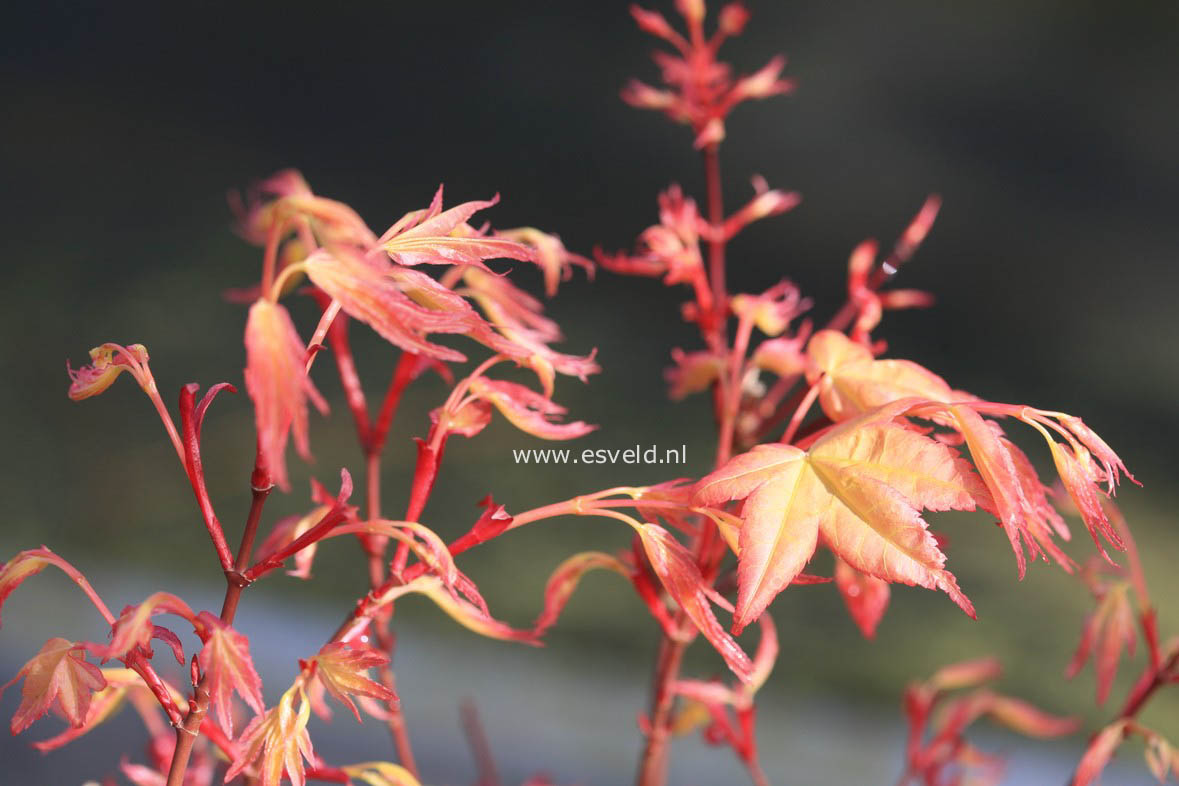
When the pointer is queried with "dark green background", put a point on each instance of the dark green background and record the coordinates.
(1048, 127)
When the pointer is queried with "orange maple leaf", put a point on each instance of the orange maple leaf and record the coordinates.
(861, 486)
(342, 670)
(58, 676)
(279, 741)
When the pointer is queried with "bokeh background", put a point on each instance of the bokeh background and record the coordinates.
(1049, 128)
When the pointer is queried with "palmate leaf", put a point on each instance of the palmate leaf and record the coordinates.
(58, 676)
(861, 486)
(226, 660)
(852, 382)
(343, 671)
(1108, 630)
(279, 741)
(277, 382)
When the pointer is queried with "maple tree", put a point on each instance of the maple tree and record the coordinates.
(865, 446)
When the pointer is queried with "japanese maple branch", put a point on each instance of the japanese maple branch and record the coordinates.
(652, 770)
(371, 436)
(188, 731)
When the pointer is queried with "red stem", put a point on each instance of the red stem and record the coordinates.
(188, 731)
(652, 770)
(716, 246)
(196, 474)
(403, 374)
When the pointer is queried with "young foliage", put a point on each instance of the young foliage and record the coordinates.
(890, 442)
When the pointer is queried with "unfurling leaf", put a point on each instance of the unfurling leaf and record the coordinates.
(287, 530)
(470, 615)
(30, 563)
(343, 671)
(1108, 630)
(57, 676)
(277, 382)
(564, 580)
(555, 261)
(278, 741)
(106, 363)
(443, 237)
(1099, 752)
(134, 627)
(226, 662)
(693, 372)
(371, 290)
(865, 596)
(861, 486)
(527, 410)
(677, 571)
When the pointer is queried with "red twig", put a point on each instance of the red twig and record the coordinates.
(196, 475)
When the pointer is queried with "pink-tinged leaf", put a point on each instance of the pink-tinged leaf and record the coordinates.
(171, 640)
(555, 261)
(106, 363)
(1099, 752)
(30, 563)
(57, 676)
(767, 202)
(508, 306)
(343, 670)
(286, 531)
(277, 382)
(226, 662)
(998, 470)
(783, 356)
(865, 596)
(1028, 720)
(134, 626)
(764, 83)
(103, 704)
(853, 382)
(367, 292)
(1108, 630)
(693, 372)
(1161, 757)
(445, 238)
(677, 571)
(470, 615)
(772, 310)
(278, 741)
(967, 674)
(1079, 475)
(340, 511)
(528, 410)
(467, 421)
(564, 580)
(860, 486)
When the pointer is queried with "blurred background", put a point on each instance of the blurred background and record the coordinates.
(1048, 127)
